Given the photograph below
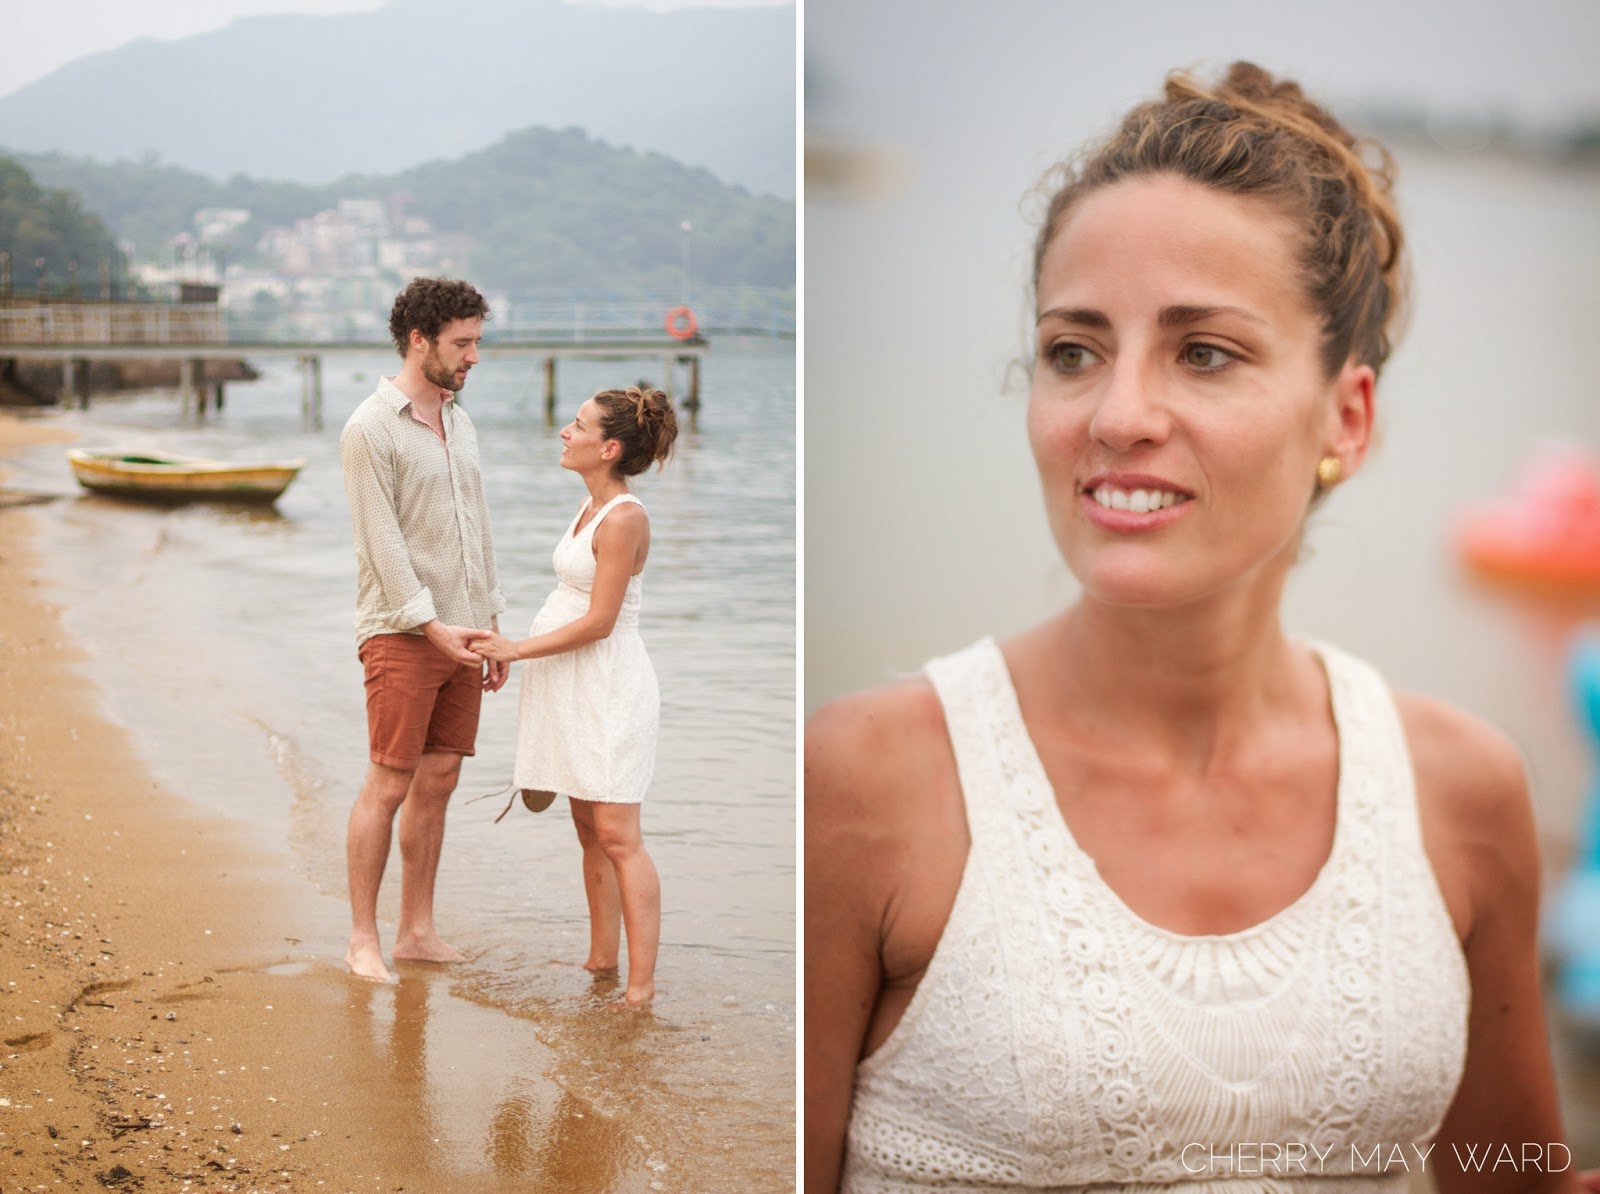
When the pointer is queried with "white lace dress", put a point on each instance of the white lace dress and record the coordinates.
(1058, 1042)
(587, 718)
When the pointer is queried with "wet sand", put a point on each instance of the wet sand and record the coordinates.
(172, 1015)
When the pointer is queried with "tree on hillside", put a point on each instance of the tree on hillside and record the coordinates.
(47, 239)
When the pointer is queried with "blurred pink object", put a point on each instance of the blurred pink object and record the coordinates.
(1546, 528)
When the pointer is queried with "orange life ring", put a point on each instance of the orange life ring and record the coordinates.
(681, 323)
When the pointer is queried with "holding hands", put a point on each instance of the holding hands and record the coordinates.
(496, 648)
(461, 642)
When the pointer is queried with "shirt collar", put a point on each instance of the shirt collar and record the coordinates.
(397, 399)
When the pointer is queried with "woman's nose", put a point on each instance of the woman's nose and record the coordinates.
(1131, 407)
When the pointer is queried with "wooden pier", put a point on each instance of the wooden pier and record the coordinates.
(75, 334)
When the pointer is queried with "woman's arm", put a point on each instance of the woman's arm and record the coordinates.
(843, 921)
(885, 846)
(620, 543)
(1479, 827)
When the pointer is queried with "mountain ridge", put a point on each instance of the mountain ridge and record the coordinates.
(314, 97)
(538, 208)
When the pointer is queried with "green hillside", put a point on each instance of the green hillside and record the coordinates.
(44, 234)
(541, 208)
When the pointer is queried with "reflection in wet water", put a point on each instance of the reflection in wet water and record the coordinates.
(513, 1113)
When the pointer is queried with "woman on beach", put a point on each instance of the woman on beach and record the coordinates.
(1154, 895)
(586, 724)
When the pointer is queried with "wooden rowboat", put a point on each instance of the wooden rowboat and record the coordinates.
(162, 476)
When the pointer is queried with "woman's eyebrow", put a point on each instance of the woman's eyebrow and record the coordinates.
(1084, 316)
(1177, 316)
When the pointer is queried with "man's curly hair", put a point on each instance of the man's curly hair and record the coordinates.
(427, 304)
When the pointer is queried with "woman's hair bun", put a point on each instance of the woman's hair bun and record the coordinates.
(642, 420)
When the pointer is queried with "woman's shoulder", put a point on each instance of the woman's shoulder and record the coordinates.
(1467, 761)
(874, 735)
(625, 519)
(877, 758)
(1475, 809)
(885, 823)
(627, 510)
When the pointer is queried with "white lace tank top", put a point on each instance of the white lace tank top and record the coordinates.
(1058, 1042)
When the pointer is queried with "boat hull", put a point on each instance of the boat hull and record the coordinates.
(168, 478)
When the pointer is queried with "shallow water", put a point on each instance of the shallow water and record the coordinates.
(222, 638)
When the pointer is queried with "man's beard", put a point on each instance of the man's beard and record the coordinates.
(433, 369)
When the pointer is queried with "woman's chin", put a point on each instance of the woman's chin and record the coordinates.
(1133, 583)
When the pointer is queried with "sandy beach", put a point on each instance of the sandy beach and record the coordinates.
(174, 1015)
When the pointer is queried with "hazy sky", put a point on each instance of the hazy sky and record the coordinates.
(43, 36)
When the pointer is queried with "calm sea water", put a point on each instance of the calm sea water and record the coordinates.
(222, 638)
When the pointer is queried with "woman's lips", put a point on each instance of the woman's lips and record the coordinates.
(1133, 503)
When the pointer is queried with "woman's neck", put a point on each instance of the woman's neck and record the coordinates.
(603, 487)
(1194, 684)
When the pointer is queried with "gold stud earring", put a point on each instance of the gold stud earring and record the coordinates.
(1329, 470)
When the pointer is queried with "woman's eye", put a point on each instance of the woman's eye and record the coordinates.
(1071, 356)
(1206, 356)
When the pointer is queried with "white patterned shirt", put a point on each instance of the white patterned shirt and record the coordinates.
(423, 548)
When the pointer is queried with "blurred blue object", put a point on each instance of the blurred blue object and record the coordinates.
(1572, 931)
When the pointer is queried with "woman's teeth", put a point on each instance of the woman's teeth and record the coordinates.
(1140, 501)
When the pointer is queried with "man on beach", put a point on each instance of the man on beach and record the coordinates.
(426, 590)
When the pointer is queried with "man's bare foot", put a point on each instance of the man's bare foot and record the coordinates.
(599, 968)
(365, 960)
(425, 949)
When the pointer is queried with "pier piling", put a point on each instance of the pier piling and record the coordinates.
(691, 401)
(311, 391)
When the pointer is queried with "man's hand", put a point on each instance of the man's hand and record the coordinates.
(454, 641)
(499, 671)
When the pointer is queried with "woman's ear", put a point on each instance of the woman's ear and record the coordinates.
(1350, 418)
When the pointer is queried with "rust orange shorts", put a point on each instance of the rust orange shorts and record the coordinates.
(419, 700)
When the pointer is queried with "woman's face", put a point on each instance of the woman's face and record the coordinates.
(1179, 404)
(582, 444)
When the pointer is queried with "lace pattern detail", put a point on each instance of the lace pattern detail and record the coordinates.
(1059, 1042)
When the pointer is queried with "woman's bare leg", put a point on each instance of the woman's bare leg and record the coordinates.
(616, 827)
(600, 887)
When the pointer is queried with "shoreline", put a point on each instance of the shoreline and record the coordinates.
(173, 1008)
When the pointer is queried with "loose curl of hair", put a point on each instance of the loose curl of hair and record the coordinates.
(1254, 135)
(643, 422)
(426, 305)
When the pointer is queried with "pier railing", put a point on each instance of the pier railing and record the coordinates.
(59, 340)
(564, 316)
(50, 348)
(57, 322)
